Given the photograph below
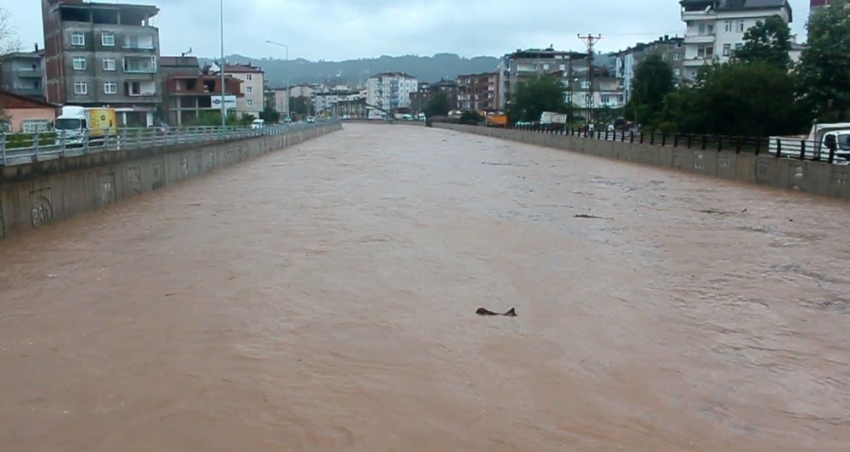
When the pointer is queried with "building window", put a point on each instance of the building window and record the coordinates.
(109, 64)
(728, 26)
(705, 52)
(78, 39)
(741, 26)
(738, 46)
(727, 49)
(79, 63)
(250, 77)
(249, 89)
(250, 103)
(676, 56)
(108, 39)
(81, 88)
(110, 88)
(677, 72)
(35, 125)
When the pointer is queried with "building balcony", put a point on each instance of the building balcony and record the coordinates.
(697, 61)
(697, 38)
(29, 73)
(688, 16)
(140, 65)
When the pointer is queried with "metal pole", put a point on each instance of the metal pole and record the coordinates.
(221, 68)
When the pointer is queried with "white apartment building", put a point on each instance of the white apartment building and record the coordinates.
(390, 90)
(253, 86)
(325, 101)
(715, 28)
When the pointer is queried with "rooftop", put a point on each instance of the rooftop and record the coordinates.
(242, 69)
(735, 5)
(104, 13)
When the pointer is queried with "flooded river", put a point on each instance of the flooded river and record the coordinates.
(323, 298)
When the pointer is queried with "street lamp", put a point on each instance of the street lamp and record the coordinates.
(285, 47)
(221, 69)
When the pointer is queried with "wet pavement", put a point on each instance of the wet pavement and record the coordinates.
(323, 298)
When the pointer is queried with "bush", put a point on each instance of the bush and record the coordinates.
(25, 140)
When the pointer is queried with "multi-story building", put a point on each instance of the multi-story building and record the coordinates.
(22, 73)
(671, 50)
(479, 92)
(524, 65)
(390, 90)
(715, 28)
(279, 100)
(188, 90)
(102, 54)
(253, 88)
(324, 101)
(420, 99)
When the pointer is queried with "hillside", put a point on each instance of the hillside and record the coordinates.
(429, 69)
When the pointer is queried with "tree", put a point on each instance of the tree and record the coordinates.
(545, 93)
(8, 41)
(270, 115)
(652, 82)
(438, 104)
(823, 73)
(471, 117)
(738, 99)
(768, 41)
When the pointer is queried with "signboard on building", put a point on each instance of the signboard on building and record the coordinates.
(229, 102)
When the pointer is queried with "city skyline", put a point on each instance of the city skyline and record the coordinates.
(339, 30)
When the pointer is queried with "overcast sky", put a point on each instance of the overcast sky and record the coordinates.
(347, 29)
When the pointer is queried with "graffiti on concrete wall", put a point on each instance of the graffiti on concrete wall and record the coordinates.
(107, 189)
(199, 162)
(212, 160)
(158, 176)
(42, 207)
(134, 179)
(184, 167)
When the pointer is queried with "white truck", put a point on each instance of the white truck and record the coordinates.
(75, 123)
(815, 143)
(552, 118)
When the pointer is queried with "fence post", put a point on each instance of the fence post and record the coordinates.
(62, 145)
(641, 136)
(663, 138)
(652, 137)
(738, 145)
(778, 148)
(802, 149)
(606, 134)
(758, 145)
(86, 141)
(690, 140)
(719, 143)
(631, 136)
(35, 139)
(831, 154)
(2, 149)
(704, 142)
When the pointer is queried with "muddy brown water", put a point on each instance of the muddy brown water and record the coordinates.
(323, 298)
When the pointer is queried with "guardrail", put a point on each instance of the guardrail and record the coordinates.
(21, 149)
(783, 147)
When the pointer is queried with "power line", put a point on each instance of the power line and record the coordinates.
(589, 42)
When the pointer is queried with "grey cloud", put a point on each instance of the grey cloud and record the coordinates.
(344, 29)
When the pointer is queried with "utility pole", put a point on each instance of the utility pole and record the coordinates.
(589, 42)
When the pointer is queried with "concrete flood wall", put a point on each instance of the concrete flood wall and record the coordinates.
(818, 178)
(35, 195)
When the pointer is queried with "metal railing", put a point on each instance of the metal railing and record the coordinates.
(19, 149)
(779, 147)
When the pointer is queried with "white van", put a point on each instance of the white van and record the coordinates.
(258, 124)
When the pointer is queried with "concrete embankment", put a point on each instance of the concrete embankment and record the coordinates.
(38, 194)
(818, 178)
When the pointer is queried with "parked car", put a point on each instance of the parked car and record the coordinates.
(258, 124)
(311, 119)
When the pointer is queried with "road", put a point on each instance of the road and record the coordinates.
(323, 298)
